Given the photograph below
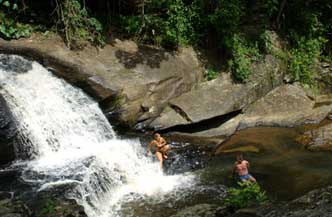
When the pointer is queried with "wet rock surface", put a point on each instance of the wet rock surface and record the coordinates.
(317, 203)
(202, 210)
(16, 64)
(7, 133)
(9, 207)
(12, 207)
(319, 139)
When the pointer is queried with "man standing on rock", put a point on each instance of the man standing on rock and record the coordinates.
(241, 167)
(161, 148)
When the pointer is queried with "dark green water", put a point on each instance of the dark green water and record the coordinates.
(282, 166)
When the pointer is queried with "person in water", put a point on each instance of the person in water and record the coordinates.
(161, 148)
(241, 167)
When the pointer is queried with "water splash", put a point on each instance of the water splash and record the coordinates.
(70, 142)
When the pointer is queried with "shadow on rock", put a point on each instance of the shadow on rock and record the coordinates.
(144, 55)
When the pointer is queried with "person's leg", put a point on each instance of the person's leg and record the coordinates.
(159, 156)
(164, 150)
(251, 178)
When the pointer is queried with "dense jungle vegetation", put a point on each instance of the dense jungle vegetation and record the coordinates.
(238, 29)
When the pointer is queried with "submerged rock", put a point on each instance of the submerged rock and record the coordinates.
(319, 139)
(7, 133)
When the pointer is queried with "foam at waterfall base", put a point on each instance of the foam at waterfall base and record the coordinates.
(70, 142)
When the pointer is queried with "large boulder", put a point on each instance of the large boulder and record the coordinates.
(221, 96)
(7, 133)
(324, 77)
(132, 83)
(315, 203)
(285, 106)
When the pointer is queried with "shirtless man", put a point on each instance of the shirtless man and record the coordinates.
(241, 167)
(161, 148)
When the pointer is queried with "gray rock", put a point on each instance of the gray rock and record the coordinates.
(131, 82)
(202, 210)
(317, 203)
(13, 208)
(285, 106)
(14, 64)
(220, 96)
(324, 77)
(7, 133)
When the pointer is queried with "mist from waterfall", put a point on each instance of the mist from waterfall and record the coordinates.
(68, 141)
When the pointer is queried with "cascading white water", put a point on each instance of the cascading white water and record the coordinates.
(72, 143)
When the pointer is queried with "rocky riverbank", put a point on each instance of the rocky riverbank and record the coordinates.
(315, 203)
(145, 88)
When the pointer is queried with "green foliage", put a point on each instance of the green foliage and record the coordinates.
(48, 210)
(249, 194)
(266, 42)
(226, 19)
(9, 27)
(210, 74)
(243, 54)
(302, 59)
(271, 8)
(74, 22)
(179, 25)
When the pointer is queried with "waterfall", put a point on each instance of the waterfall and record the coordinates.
(68, 141)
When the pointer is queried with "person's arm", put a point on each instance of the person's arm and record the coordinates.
(150, 145)
(162, 142)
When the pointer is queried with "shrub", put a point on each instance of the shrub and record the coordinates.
(243, 54)
(249, 194)
(74, 22)
(10, 28)
(179, 24)
(210, 74)
(302, 59)
(226, 19)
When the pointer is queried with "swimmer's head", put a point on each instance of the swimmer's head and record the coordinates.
(156, 135)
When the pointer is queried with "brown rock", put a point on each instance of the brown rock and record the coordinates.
(140, 79)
